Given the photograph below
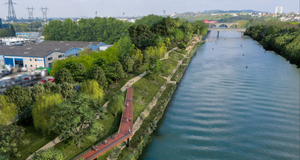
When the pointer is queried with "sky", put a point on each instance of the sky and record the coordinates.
(87, 8)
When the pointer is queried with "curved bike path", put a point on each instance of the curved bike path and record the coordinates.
(124, 133)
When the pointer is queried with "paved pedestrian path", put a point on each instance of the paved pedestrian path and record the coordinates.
(167, 54)
(125, 132)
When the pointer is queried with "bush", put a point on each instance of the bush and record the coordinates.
(182, 45)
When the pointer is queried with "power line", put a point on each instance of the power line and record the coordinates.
(11, 11)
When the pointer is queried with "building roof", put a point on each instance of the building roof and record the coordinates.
(43, 49)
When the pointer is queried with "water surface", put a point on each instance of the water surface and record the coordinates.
(223, 110)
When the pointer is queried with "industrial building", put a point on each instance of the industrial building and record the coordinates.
(28, 35)
(43, 54)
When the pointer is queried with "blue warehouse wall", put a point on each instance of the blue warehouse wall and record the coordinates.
(92, 47)
(72, 51)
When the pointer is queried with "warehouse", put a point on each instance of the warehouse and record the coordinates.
(43, 54)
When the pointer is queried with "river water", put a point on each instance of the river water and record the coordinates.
(223, 110)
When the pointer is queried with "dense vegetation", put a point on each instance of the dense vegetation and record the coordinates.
(10, 32)
(284, 41)
(108, 30)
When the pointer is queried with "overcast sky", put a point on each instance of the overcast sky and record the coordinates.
(80, 8)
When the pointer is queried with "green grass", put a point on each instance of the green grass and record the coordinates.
(143, 92)
(105, 155)
(110, 126)
(175, 55)
(35, 141)
(167, 67)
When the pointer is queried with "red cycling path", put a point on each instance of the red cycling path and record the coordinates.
(121, 136)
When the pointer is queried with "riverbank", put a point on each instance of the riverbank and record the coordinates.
(154, 113)
(283, 41)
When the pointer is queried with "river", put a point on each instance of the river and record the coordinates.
(223, 110)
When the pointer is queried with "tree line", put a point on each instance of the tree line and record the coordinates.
(284, 41)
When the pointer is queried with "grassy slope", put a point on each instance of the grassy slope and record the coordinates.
(167, 67)
(35, 140)
(143, 92)
(175, 55)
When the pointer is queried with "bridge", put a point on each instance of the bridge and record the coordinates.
(227, 29)
(228, 25)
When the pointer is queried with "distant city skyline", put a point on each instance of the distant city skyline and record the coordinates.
(87, 8)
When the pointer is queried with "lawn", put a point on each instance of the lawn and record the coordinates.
(175, 55)
(167, 67)
(110, 126)
(143, 92)
(32, 141)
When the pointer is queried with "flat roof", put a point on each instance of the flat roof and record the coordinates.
(43, 49)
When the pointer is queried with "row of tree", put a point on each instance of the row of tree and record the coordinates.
(108, 30)
(284, 41)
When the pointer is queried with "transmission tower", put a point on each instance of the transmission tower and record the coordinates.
(30, 12)
(11, 11)
(44, 10)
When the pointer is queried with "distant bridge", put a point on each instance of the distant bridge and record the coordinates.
(227, 29)
(228, 25)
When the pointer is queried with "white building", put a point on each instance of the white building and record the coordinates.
(103, 48)
(279, 10)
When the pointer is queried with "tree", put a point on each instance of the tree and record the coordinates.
(124, 46)
(127, 63)
(67, 90)
(37, 90)
(10, 136)
(77, 118)
(141, 36)
(77, 70)
(101, 62)
(63, 75)
(116, 104)
(138, 56)
(41, 110)
(154, 66)
(98, 74)
(92, 88)
(48, 86)
(146, 56)
(118, 70)
(110, 72)
(182, 45)
(167, 41)
(8, 111)
(3, 158)
(18, 96)
(47, 154)
(149, 20)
